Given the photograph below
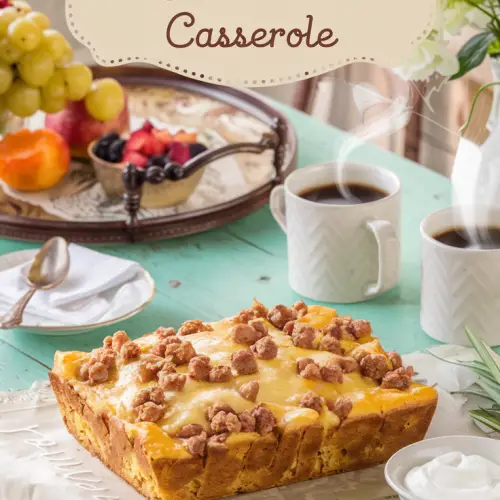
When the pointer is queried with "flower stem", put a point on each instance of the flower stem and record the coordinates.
(474, 102)
(482, 9)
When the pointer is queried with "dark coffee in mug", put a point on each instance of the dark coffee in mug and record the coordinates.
(344, 194)
(458, 237)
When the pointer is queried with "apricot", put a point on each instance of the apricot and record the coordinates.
(185, 137)
(33, 160)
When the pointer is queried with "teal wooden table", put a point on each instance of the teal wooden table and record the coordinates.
(221, 271)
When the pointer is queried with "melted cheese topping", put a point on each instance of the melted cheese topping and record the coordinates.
(281, 388)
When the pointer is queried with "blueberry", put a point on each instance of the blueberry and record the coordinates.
(110, 137)
(102, 147)
(196, 148)
(102, 151)
(155, 174)
(115, 151)
(157, 160)
(173, 171)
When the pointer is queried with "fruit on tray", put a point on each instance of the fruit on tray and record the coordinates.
(33, 160)
(149, 146)
(79, 128)
(37, 72)
(77, 80)
(105, 99)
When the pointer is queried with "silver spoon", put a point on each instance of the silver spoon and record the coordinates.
(48, 270)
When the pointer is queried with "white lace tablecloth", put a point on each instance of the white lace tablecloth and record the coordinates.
(39, 460)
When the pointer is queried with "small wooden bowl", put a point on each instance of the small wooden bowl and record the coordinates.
(163, 195)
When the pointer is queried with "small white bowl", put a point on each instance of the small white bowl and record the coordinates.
(424, 451)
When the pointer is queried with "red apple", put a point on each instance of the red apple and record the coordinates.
(79, 129)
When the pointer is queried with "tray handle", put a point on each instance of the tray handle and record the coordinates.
(134, 177)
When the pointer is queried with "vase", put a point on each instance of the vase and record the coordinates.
(494, 117)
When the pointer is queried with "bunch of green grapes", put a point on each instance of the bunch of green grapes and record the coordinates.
(37, 71)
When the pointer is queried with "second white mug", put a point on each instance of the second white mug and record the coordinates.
(460, 286)
(340, 253)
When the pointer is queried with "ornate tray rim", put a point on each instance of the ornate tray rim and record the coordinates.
(172, 226)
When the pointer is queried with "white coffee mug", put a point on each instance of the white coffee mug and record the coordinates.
(460, 286)
(340, 253)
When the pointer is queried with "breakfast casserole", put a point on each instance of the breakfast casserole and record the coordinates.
(266, 398)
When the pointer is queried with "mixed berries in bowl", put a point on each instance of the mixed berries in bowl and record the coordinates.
(148, 147)
(158, 152)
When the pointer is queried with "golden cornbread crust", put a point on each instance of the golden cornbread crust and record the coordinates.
(294, 451)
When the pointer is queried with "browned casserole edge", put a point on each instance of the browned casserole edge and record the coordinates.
(259, 462)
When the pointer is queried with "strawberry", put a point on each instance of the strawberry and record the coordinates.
(145, 143)
(136, 141)
(179, 153)
(148, 127)
(164, 136)
(186, 137)
(136, 158)
(153, 146)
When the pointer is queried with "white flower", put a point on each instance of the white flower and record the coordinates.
(456, 17)
(429, 56)
(458, 14)
(478, 19)
(432, 54)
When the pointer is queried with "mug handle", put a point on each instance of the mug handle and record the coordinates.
(277, 206)
(388, 255)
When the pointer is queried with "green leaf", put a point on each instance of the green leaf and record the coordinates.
(487, 354)
(475, 392)
(494, 48)
(486, 418)
(494, 356)
(491, 388)
(473, 53)
(476, 366)
(494, 412)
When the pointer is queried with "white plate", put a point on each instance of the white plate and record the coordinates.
(33, 324)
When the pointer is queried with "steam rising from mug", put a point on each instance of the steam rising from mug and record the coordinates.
(394, 115)
(476, 185)
(476, 171)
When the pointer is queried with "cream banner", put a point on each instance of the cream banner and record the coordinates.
(253, 42)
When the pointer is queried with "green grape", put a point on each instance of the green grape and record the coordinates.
(6, 77)
(105, 100)
(3, 105)
(22, 8)
(24, 34)
(40, 19)
(52, 105)
(55, 88)
(7, 16)
(65, 59)
(8, 52)
(54, 43)
(78, 79)
(36, 67)
(22, 100)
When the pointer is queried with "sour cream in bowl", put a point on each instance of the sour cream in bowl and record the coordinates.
(451, 467)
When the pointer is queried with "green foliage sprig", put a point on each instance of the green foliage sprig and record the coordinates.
(488, 380)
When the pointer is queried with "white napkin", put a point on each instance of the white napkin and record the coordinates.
(83, 296)
(451, 417)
